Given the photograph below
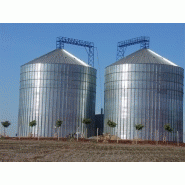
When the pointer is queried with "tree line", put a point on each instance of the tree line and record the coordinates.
(58, 125)
(87, 121)
(138, 127)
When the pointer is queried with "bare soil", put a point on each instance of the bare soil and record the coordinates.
(86, 151)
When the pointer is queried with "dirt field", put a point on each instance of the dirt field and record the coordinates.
(72, 151)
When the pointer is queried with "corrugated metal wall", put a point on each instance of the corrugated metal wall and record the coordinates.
(148, 94)
(56, 91)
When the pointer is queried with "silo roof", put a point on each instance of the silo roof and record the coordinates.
(144, 56)
(59, 56)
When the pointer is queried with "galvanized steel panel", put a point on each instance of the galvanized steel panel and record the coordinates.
(55, 57)
(143, 56)
(148, 94)
(50, 91)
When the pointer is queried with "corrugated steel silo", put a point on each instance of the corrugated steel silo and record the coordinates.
(144, 88)
(56, 86)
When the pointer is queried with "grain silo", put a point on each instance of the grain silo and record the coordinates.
(56, 86)
(144, 88)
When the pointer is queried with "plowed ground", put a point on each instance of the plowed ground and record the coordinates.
(72, 151)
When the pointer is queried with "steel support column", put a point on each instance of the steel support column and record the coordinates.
(60, 45)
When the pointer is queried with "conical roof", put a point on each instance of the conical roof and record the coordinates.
(144, 56)
(59, 56)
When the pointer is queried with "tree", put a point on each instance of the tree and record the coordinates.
(5, 125)
(86, 121)
(111, 124)
(58, 125)
(138, 127)
(168, 128)
(32, 124)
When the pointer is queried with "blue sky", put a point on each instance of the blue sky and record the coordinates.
(20, 43)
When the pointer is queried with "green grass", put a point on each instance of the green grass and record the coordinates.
(71, 151)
